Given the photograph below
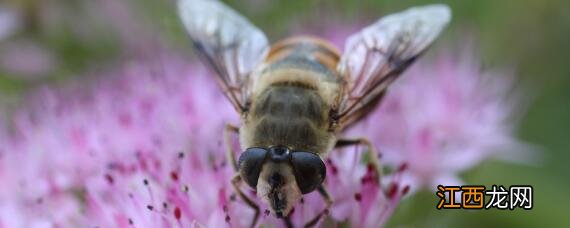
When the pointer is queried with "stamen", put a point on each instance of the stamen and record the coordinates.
(358, 197)
(403, 167)
(406, 190)
(334, 170)
(177, 213)
(392, 190)
(370, 167)
(109, 178)
(149, 190)
(174, 176)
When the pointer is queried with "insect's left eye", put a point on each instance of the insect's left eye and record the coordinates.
(250, 163)
(310, 170)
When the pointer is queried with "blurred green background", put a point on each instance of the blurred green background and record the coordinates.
(76, 36)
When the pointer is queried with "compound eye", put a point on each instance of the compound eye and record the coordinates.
(310, 170)
(250, 163)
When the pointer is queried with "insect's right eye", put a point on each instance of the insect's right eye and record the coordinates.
(250, 162)
(310, 171)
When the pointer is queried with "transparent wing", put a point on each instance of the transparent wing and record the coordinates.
(228, 42)
(378, 54)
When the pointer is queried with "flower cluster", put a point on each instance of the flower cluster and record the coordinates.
(143, 146)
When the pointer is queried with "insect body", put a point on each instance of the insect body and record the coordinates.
(292, 97)
(289, 115)
(297, 96)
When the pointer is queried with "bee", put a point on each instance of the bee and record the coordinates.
(297, 96)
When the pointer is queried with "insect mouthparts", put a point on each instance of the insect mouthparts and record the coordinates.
(278, 204)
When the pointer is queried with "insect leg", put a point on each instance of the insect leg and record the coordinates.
(235, 183)
(328, 201)
(373, 154)
(230, 155)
